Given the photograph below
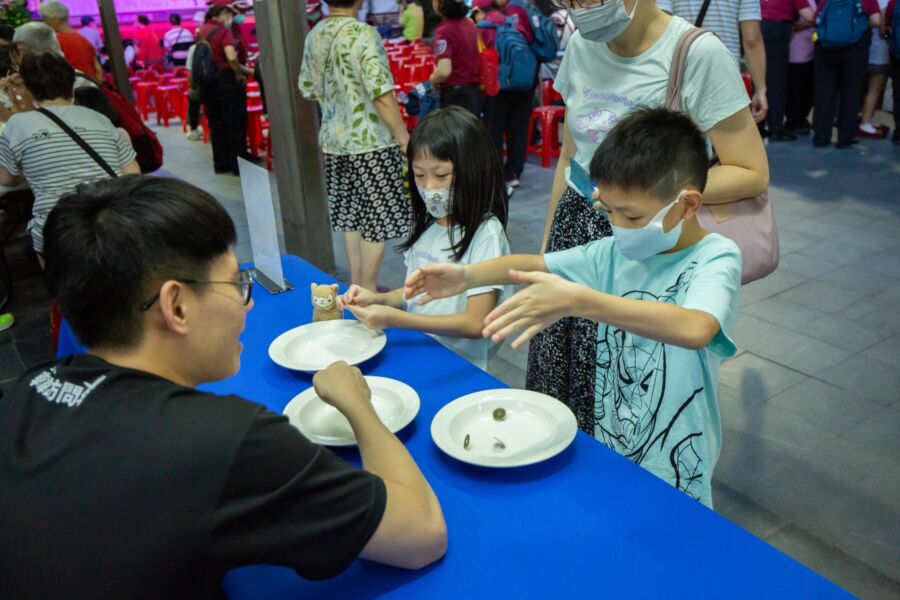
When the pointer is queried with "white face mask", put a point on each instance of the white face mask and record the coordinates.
(649, 240)
(602, 22)
(437, 202)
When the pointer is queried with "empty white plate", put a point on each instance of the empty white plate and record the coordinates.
(313, 347)
(533, 428)
(396, 404)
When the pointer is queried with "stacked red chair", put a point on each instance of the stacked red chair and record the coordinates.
(549, 119)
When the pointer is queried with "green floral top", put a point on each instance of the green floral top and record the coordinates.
(357, 73)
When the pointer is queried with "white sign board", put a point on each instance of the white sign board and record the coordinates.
(261, 221)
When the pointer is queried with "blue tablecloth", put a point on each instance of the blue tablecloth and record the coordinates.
(587, 523)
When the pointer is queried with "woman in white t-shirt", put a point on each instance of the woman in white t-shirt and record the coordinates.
(459, 213)
(619, 59)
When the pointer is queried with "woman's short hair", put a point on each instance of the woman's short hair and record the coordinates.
(37, 37)
(452, 9)
(143, 19)
(47, 76)
(175, 19)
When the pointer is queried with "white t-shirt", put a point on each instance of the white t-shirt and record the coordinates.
(53, 164)
(600, 87)
(177, 35)
(722, 18)
(434, 247)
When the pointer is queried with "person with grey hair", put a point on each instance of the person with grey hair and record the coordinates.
(78, 51)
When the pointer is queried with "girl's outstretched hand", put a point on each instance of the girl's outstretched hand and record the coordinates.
(435, 281)
(546, 300)
(375, 316)
(356, 296)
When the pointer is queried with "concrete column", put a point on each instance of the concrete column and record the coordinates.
(281, 31)
(114, 47)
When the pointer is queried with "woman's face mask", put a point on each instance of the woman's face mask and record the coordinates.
(437, 201)
(603, 22)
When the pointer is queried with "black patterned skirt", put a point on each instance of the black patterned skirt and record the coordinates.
(562, 359)
(366, 194)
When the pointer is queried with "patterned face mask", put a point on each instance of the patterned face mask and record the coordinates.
(437, 202)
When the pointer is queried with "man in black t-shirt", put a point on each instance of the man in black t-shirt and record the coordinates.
(119, 479)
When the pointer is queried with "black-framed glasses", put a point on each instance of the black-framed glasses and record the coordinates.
(244, 284)
(573, 3)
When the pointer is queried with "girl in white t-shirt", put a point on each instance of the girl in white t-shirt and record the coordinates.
(459, 204)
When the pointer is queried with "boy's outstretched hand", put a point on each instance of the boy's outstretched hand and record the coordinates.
(356, 296)
(435, 281)
(547, 299)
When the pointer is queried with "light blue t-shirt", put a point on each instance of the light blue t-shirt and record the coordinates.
(655, 403)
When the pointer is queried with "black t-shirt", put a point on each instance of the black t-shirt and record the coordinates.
(120, 484)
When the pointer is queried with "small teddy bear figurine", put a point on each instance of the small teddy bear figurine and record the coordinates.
(324, 299)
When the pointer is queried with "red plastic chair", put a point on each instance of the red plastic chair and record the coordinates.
(549, 118)
(255, 139)
(548, 94)
(169, 101)
(182, 72)
(144, 92)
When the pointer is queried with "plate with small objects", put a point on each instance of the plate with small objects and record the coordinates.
(313, 347)
(395, 403)
(504, 428)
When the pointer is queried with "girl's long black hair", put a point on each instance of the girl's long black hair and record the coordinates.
(454, 134)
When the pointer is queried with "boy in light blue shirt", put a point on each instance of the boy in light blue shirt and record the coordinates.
(663, 290)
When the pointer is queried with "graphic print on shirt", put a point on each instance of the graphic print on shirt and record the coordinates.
(599, 115)
(629, 414)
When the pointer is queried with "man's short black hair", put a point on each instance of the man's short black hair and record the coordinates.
(109, 245)
(453, 9)
(86, 20)
(47, 76)
(143, 19)
(175, 19)
(340, 3)
(655, 150)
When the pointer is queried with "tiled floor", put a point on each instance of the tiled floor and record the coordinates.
(811, 405)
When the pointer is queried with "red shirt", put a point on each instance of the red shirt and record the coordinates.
(150, 49)
(79, 52)
(782, 10)
(457, 39)
(221, 38)
(870, 7)
(489, 34)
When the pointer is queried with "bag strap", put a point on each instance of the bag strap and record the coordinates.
(80, 141)
(679, 65)
(702, 14)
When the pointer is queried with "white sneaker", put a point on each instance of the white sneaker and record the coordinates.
(194, 135)
(513, 183)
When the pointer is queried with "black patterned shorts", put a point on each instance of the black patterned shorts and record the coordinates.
(366, 194)
(562, 359)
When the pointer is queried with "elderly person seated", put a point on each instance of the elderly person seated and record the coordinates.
(34, 147)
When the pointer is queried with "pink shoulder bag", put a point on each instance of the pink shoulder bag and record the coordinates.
(750, 222)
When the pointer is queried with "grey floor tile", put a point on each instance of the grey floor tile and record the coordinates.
(885, 262)
(790, 349)
(826, 406)
(833, 564)
(781, 312)
(887, 351)
(818, 228)
(841, 332)
(803, 265)
(741, 510)
(836, 254)
(31, 323)
(891, 293)
(510, 374)
(821, 296)
(35, 350)
(853, 278)
(863, 308)
(865, 239)
(775, 283)
(790, 241)
(879, 433)
(865, 377)
(757, 378)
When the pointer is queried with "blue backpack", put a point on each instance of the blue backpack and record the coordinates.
(894, 38)
(546, 36)
(518, 65)
(841, 23)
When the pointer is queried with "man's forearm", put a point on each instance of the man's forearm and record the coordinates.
(496, 271)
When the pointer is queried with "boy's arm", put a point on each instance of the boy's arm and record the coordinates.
(449, 279)
(549, 298)
(468, 324)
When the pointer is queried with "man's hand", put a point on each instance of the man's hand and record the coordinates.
(759, 105)
(356, 296)
(375, 316)
(547, 299)
(344, 388)
(435, 281)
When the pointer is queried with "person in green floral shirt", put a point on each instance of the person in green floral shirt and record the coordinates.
(363, 137)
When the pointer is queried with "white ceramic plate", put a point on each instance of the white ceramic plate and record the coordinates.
(314, 346)
(396, 404)
(536, 427)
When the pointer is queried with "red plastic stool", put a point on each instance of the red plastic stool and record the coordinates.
(255, 139)
(748, 83)
(549, 118)
(145, 91)
(548, 94)
(168, 103)
(204, 123)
